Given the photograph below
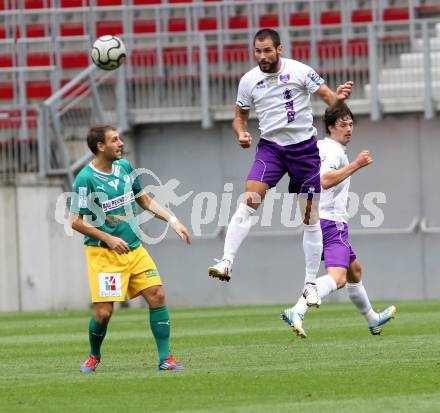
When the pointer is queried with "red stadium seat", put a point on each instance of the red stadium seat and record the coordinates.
(330, 17)
(2, 32)
(357, 47)
(6, 91)
(74, 60)
(6, 60)
(146, 2)
(38, 59)
(38, 89)
(36, 4)
(329, 49)
(72, 29)
(362, 16)
(207, 23)
(301, 50)
(144, 26)
(177, 24)
(108, 2)
(299, 19)
(269, 20)
(143, 57)
(238, 22)
(234, 53)
(113, 27)
(175, 56)
(396, 13)
(212, 52)
(75, 3)
(35, 30)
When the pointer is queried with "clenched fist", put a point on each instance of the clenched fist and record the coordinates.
(245, 139)
(363, 159)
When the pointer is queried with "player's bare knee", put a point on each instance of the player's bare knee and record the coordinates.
(103, 314)
(354, 274)
(340, 282)
(253, 199)
(155, 296)
(339, 275)
(309, 210)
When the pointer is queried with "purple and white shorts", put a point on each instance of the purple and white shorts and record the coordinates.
(337, 251)
(301, 161)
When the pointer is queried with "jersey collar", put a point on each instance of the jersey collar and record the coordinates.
(100, 172)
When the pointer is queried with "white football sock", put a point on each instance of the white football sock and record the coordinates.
(325, 285)
(312, 244)
(238, 229)
(359, 297)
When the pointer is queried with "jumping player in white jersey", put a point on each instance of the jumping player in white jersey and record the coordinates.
(343, 268)
(280, 90)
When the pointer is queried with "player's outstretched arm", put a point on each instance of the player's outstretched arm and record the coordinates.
(149, 204)
(332, 98)
(114, 243)
(239, 124)
(333, 178)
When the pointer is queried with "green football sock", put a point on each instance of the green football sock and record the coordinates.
(96, 336)
(160, 326)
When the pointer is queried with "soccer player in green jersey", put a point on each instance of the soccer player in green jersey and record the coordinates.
(107, 193)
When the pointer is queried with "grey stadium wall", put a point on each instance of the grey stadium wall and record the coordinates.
(43, 268)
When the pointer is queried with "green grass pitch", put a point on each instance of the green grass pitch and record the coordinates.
(238, 359)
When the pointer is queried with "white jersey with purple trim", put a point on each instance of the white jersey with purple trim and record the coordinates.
(282, 101)
(333, 201)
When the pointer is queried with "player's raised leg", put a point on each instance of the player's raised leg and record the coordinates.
(239, 228)
(312, 245)
(359, 297)
(325, 285)
(97, 330)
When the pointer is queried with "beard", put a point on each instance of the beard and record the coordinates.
(272, 66)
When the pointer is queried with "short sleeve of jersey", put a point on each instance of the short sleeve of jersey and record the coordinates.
(330, 160)
(80, 197)
(244, 97)
(312, 81)
(136, 186)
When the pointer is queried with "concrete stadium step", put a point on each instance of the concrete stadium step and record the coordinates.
(411, 60)
(434, 44)
(399, 90)
(416, 74)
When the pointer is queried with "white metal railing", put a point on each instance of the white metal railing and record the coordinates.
(193, 75)
(64, 119)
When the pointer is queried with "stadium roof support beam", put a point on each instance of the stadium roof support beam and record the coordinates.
(429, 99)
(204, 84)
(374, 75)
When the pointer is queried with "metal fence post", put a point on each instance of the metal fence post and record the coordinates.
(204, 84)
(373, 71)
(285, 41)
(121, 99)
(96, 100)
(43, 167)
(427, 75)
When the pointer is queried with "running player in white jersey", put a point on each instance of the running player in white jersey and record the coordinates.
(343, 268)
(280, 90)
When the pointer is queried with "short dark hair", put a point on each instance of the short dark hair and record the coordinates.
(265, 33)
(332, 114)
(96, 135)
